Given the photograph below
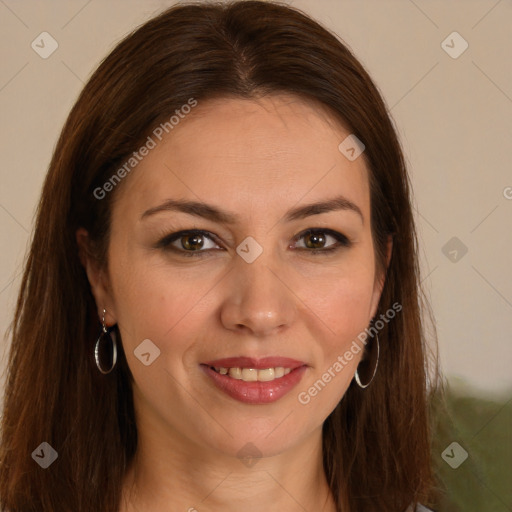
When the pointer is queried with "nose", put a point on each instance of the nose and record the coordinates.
(257, 299)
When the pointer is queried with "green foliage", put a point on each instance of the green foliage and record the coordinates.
(483, 428)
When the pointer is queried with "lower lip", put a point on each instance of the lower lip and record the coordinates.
(256, 392)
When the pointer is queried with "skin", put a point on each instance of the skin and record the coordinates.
(257, 159)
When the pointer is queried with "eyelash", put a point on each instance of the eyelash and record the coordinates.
(165, 242)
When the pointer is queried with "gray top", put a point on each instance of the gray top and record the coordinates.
(419, 508)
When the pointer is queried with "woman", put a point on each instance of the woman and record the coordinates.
(221, 304)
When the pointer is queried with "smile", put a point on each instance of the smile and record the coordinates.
(254, 381)
(253, 374)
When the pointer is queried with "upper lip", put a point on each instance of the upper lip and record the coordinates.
(258, 364)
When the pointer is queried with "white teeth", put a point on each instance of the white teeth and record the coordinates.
(253, 375)
(266, 375)
(236, 373)
(249, 374)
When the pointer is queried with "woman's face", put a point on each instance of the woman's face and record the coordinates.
(250, 287)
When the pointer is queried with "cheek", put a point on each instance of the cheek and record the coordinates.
(344, 312)
(344, 304)
(341, 297)
(173, 306)
(154, 303)
(341, 302)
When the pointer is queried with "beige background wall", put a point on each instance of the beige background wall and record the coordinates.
(454, 116)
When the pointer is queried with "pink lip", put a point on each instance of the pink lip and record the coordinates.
(258, 364)
(255, 392)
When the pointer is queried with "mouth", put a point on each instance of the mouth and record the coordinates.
(253, 374)
(255, 381)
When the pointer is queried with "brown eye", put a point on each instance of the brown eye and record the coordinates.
(189, 243)
(314, 240)
(192, 241)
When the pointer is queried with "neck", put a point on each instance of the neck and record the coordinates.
(178, 475)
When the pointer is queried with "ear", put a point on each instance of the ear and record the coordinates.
(97, 276)
(380, 279)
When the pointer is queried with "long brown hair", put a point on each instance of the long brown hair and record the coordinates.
(376, 442)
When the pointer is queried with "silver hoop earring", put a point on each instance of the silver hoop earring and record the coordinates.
(111, 335)
(358, 380)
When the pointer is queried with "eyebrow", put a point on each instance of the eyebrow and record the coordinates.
(215, 214)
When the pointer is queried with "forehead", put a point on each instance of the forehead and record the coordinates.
(265, 154)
